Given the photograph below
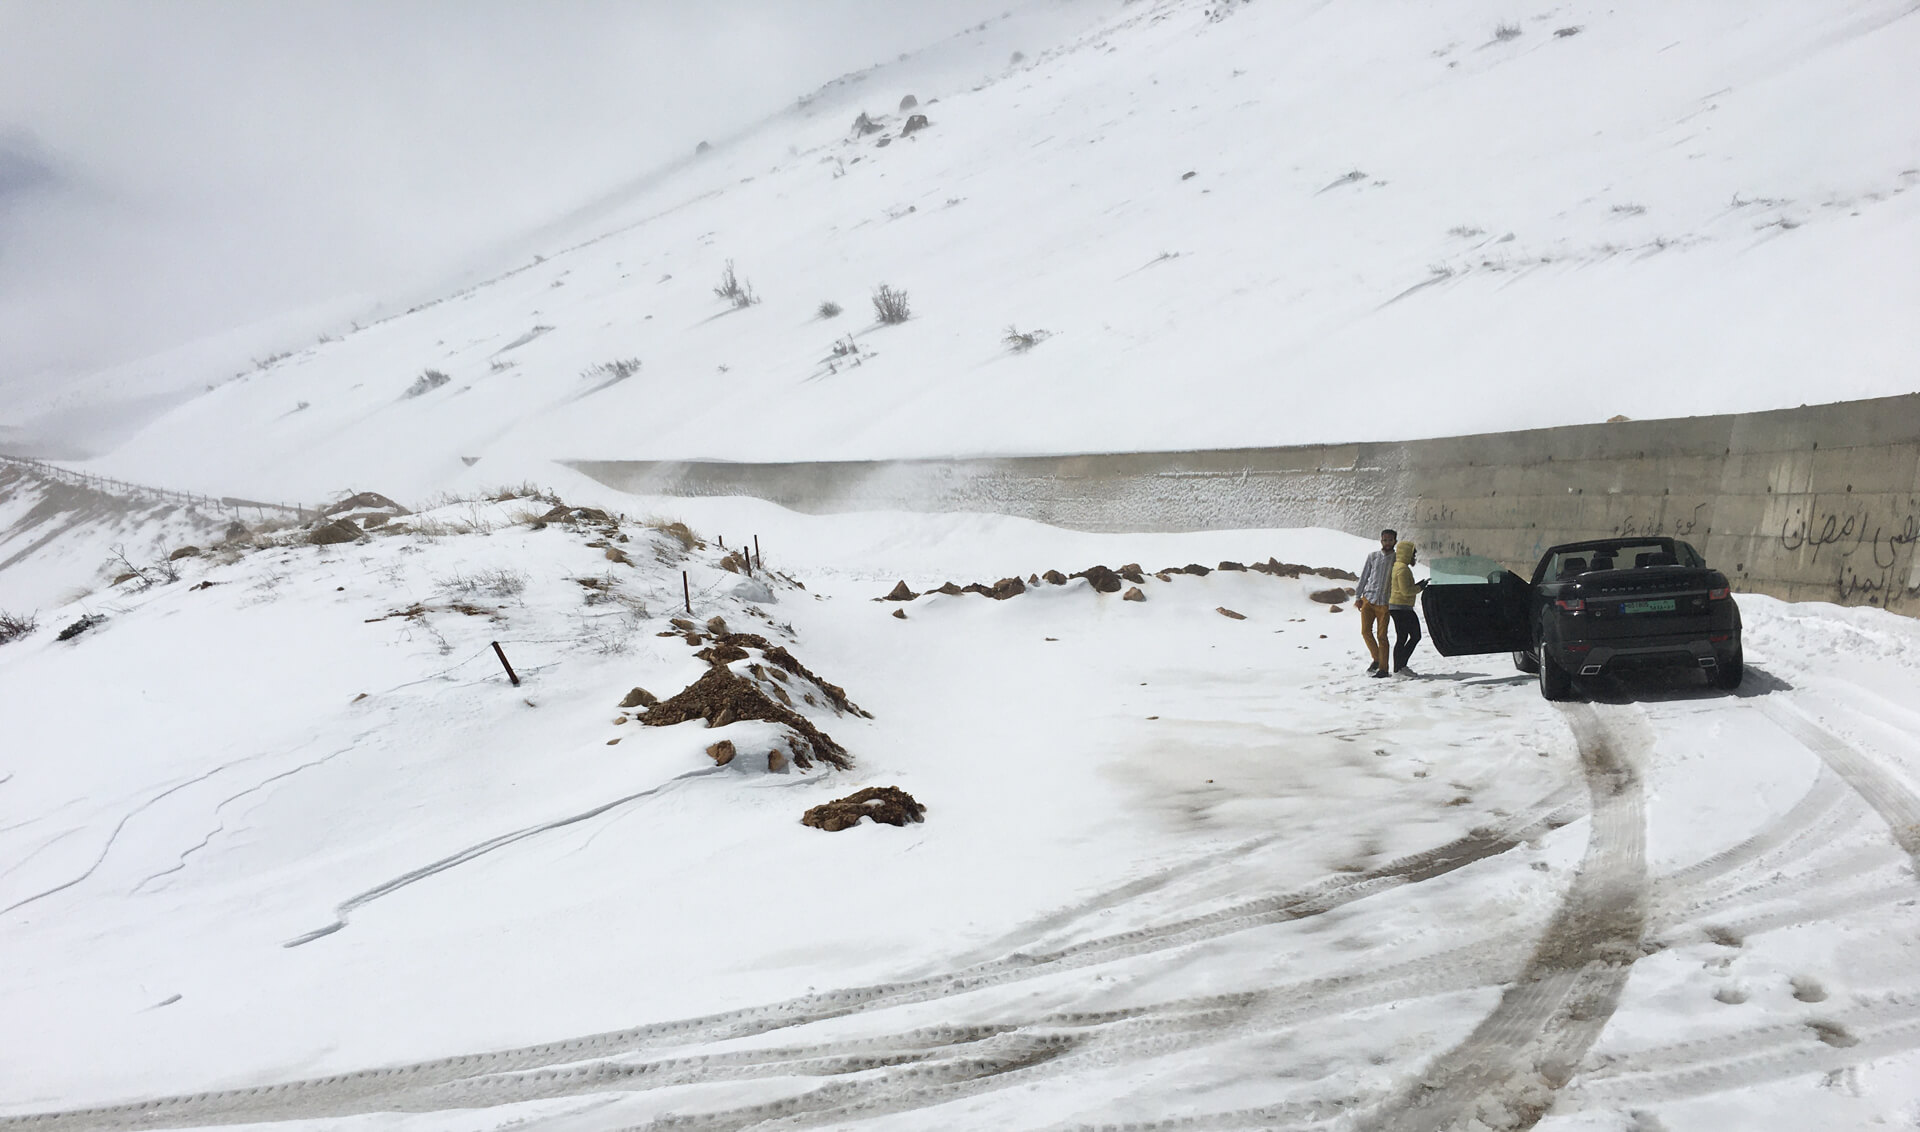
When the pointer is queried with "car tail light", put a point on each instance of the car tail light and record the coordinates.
(1576, 604)
(1578, 648)
(1717, 595)
(1720, 638)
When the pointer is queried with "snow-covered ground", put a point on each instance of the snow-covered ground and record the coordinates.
(279, 840)
(1174, 866)
(1238, 223)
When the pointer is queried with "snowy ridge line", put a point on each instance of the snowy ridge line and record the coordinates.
(109, 486)
(1882, 788)
(345, 909)
(1552, 1012)
(225, 802)
(309, 1096)
(1835, 1040)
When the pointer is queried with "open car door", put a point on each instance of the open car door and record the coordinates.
(1467, 617)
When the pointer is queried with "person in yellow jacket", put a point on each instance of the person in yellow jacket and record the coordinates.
(1401, 594)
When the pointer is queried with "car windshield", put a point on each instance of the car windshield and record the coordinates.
(1574, 561)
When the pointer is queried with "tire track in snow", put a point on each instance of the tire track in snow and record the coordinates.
(351, 1092)
(1824, 1042)
(1505, 1073)
(345, 908)
(1103, 1037)
(1817, 813)
(1895, 802)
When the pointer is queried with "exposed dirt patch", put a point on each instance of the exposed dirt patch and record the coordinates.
(889, 805)
(900, 592)
(338, 531)
(729, 647)
(1000, 590)
(1331, 597)
(1101, 579)
(639, 697)
(366, 501)
(721, 697)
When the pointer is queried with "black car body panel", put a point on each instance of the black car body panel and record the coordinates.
(1587, 613)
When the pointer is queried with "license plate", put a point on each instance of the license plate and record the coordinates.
(1661, 605)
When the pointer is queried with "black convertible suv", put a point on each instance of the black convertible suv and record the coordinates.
(1591, 607)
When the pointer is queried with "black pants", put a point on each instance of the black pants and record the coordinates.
(1406, 634)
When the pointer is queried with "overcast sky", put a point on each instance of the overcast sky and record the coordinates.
(171, 168)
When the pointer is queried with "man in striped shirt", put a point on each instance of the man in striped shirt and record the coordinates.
(1370, 598)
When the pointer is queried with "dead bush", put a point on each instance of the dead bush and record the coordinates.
(829, 309)
(428, 380)
(619, 369)
(1505, 32)
(489, 583)
(890, 305)
(1020, 341)
(13, 626)
(734, 289)
(674, 529)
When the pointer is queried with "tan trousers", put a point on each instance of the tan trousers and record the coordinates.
(1373, 630)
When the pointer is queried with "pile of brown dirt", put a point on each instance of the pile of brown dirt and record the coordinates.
(1333, 596)
(900, 592)
(334, 533)
(1281, 569)
(566, 514)
(1055, 578)
(886, 804)
(729, 647)
(721, 697)
(1101, 579)
(366, 501)
(1000, 590)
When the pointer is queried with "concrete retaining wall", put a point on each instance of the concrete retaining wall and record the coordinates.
(1816, 503)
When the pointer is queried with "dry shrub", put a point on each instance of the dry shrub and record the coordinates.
(890, 305)
(13, 626)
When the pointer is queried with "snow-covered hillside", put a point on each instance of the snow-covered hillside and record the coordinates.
(1237, 223)
(292, 851)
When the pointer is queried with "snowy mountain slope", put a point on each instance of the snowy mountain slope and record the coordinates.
(1174, 865)
(1406, 221)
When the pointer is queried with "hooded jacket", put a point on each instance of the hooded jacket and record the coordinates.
(1403, 591)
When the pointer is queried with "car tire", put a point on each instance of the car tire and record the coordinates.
(1727, 676)
(1556, 683)
(1525, 662)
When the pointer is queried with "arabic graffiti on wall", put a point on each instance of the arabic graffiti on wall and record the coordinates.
(1676, 526)
(1872, 555)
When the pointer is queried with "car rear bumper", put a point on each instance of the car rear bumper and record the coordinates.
(1691, 650)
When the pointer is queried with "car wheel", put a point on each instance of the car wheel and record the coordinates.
(1555, 682)
(1524, 661)
(1727, 675)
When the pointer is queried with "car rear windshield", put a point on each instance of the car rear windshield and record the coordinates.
(1575, 561)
